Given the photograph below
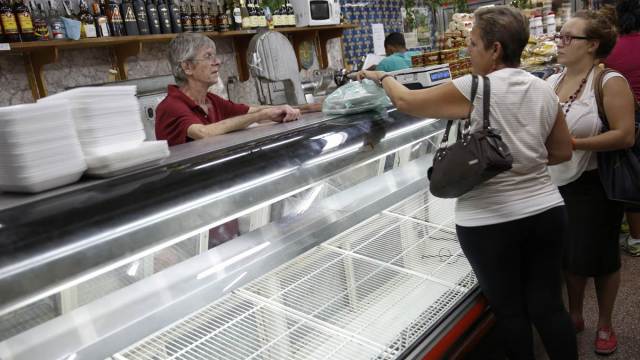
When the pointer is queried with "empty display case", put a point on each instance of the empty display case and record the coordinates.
(342, 252)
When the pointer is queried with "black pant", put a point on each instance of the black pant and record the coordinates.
(518, 266)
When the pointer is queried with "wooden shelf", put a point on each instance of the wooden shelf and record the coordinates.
(37, 54)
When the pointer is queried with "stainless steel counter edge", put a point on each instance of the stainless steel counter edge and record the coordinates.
(182, 152)
(110, 324)
(156, 207)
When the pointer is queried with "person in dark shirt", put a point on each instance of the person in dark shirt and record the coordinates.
(190, 111)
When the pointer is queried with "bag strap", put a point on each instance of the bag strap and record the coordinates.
(598, 89)
(486, 103)
(474, 91)
(599, 94)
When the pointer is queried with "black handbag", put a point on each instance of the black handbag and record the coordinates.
(474, 158)
(619, 169)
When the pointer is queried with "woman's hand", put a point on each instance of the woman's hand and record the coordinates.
(371, 75)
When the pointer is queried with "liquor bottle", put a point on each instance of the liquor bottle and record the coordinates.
(291, 17)
(237, 16)
(88, 24)
(196, 18)
(244, 13)
(261, 16)
(129, 18)
(25, 22)
(140, 10)
(55, 23)
(253, 14)
(223, 19)
(9, 22)
(102, 23)
(185, 16)
(165, 18)
(115, 19)
(213, 16)
(40, 26)
(207, 25)
(174, 12)
(153, 18)
(276, 17)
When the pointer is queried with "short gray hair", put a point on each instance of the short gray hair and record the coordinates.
(185, 47)
(505, 25)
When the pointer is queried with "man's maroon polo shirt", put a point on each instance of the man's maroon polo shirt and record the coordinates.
(178, 111)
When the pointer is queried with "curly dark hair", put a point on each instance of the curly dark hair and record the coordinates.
(628, 16)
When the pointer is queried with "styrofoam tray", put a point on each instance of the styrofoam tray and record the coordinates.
(115, 163)
(41, 184)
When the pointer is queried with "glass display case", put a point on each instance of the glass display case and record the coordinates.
(341, 252)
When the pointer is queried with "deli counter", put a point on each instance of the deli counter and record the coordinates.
(342, 252)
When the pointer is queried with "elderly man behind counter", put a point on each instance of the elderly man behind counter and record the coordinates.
(190, 112)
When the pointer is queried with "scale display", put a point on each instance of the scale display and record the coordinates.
(440, 75)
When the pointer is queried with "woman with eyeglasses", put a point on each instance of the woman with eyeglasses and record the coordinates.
(591, 245)
(190, 111)
(509, 227)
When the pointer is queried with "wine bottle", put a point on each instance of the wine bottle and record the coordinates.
(237, 16)
(165, 17)
(253, 14)
(152, 17)
(207, 25)
(185, 15)
(25, 21)
(115, 19)
(244, 13)
(223, 20)
(140, 10)
(196, 18)
(174, 12)
(129, 18)
(87, 21)
(102, 23)
(9, 22)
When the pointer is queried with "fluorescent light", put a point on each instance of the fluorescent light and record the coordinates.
(232, 260)
(234, 281)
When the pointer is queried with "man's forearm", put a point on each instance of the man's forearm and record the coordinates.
(225, 126)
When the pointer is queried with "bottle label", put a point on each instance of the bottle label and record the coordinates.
(90, 30)
(104, 27)
(236, 16)
(26, 25)
(9, 23)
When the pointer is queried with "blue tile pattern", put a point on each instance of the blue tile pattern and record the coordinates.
(359, 42)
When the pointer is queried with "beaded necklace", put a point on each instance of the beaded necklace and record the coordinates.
(573, 97)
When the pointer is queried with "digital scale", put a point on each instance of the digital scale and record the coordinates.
(423, 77)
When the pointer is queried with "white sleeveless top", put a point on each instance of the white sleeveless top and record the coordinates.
(583, 121)
(524, 109)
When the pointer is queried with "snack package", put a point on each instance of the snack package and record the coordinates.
(355, 97)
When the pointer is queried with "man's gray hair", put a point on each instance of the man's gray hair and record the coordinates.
(185, 47)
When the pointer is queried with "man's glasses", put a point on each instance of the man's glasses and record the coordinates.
(207, 57)
(565, 40)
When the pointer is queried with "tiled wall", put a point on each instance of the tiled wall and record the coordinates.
(91, 66)
(359, 42)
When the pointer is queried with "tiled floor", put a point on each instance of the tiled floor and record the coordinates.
(626, 316)
(626, 322)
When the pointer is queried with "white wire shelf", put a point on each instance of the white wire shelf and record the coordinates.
(368, 293)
